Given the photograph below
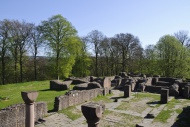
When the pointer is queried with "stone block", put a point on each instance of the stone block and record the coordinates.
(127, 91)
(186, 92)
(164, 96)
(93, 113)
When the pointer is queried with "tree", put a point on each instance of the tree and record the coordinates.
(96, 37)
(20, 34)
(57, 31)
(36, 43)
(170, 50)
(150, 60)
(4, 45)
(183, 37)
(104, 53)
(127, 43)
(82, 64)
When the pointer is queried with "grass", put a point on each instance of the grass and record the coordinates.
(138, 104)
(164, 115)
(105, 99)
(12, 93)
(72, 112)
(147, 95)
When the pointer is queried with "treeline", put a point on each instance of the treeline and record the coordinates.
(67, 54)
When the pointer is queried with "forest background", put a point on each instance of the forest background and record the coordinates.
(67, 54)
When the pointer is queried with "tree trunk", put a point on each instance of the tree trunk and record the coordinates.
(123, 61)
(20, 61)
(57, 65)
(15, 68)
(3, 67)
(96, 65)
(35, 62)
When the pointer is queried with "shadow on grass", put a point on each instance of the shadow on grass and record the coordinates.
(52, 110)
(153, 102)
(183, 119)
(115, 99)
(51, 90)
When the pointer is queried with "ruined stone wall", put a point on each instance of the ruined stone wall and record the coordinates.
(75, 97)
(14, 116)
(153, 89)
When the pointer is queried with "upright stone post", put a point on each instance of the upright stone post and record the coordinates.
(186, 92)
(29, 98)
(92, 112)
(127, 91)
(164, 96)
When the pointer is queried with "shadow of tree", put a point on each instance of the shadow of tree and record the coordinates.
(183, 119)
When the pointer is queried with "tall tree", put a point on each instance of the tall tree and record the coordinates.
(82, 64)
(96, 37)
(4, 45)
(127, 44)
(169, 50)
(36, 43)
(183, 37)
(57, 31)
(21, 33)
(150, 60)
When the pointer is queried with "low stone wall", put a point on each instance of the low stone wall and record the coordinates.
(153, 89)
(14, 116)
(75, 97)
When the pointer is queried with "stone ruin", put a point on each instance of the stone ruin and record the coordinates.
(141, 82)
(137, 83)
(86, 83)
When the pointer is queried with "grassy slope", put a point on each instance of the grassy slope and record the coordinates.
(13, 93)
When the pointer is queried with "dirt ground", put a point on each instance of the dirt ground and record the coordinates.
(128, 112)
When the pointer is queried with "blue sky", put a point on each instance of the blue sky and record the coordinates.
(147, 19)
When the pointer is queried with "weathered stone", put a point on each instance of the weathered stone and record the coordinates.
(92, 112)
(148, 81)
(82, 86)
(186, 92)
(153, 89)
(29, 98)
(164, 96)
(92, 78)
(117, 77)
(143, 75)
(173, 90)
(93, 85)
(105, 91)
(115, 83)
(163, 83)
(15, 115)
(154, 80)
(99, 80)
(123, 74)
(106, 83)
(110, 92)
(78, 81)
(141, 87)
(127, 91)
(58, 85)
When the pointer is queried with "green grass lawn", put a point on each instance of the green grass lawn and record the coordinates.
(72, 112)
(11, 93)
